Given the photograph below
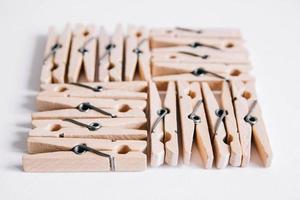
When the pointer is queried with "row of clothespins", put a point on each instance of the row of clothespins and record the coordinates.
(88, 55)
(181, 85)
(108, 122)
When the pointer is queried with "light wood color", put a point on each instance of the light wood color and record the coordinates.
(173, 32)
(134, 86)
(54, 66)
(110, 60)
(47, 103)
(161, 68)
(157, 152)
(202, 78)
(83, 38)
(200, 56)
(55, 155)
(189, 95)
(74, 113)
(137, 39)
(130, 123)
(218, 132)
(233, 139)
(112, 133)
(244, 96)
(170, 126)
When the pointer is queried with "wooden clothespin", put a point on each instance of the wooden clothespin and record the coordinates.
(137, 54)
(198, 56)
(113, 90)
(162, 68)
(56, 56)
(110, 55)
(250, 122)
(204, 75)
(87, 128)
(193, 122)
(163, 128)
(222, 122)
(218, 39)
(83, 54)
(76, 155)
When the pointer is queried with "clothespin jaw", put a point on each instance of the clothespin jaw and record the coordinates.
(110, 55)
(83, 53)
(137, 54)
(75, 155)
(56, 56)
(250, 122)
(193, 121)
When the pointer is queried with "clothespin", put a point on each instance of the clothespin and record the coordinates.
(162, 68)
(218, 39)
(83, 54)
(56, 56)
(193, 122)
(204, 75)
(199, 56)
(113, 90)
(163, 128)
(137, 54)
(110, 55)
(250, 122)
(93, 108)
(215, 115)
(219, 101)
(87, 128)
(76, 155)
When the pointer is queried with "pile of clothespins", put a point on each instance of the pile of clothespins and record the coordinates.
(121, 101)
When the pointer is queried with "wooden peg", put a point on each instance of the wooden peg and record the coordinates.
(111, 55)
(75, 113)
(83, 53)
(112, 133)
(215, 116)
(162, 68)
(130, 123)
(200, 56)
(58, 155)
(156, 126)
(233, 138)
(56, 56)
(247, 107)
(170, 126)
(137, 54)
(193, 120)
(46, 103)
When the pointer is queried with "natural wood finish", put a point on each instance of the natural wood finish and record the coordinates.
(83, 37)
(189, 95)
(137, 39)
(54, 67)
(131, 123)
(157, 151)
(161, 68)
(244, 95)
(170, 126)
(233, 138)
(110, 63)
(55, 155)
(112, 133)
(221, 149)
(46, 103)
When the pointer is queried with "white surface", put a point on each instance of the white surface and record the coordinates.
(271, 29)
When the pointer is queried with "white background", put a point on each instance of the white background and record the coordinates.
(272, 32)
